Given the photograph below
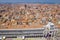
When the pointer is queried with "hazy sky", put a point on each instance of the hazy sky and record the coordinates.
(14, 1)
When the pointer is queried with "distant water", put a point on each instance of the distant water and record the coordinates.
(30, 1)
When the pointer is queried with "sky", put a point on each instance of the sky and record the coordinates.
(32, 1)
